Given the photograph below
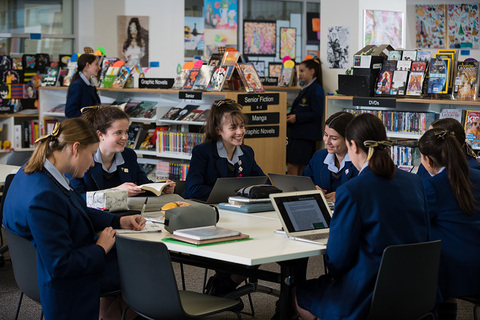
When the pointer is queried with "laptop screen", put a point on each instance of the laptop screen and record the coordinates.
(303, 211)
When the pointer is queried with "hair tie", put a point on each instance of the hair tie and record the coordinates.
(53, 135)
(469, 150)
(372, 144)
(87, 109)
(442, 134)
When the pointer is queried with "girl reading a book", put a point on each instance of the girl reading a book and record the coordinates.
(331, 167)
(453, 125)
(453, 195)
(223, 154)
(115, 166)
(74, 265)
(305, 118)
(82, 92)
(382, 206)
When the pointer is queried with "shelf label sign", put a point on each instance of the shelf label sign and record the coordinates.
(190, 95)
(256, 99)
(374, 102)
(155, 83)
(263, 118)
(261, 132)
(269, 81)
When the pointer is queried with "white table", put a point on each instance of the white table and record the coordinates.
(5, 170)
(266, 246)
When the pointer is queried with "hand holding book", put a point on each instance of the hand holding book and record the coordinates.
(157, 188)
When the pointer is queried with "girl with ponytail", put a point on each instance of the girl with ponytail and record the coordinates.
(453, 194)
(382, 206)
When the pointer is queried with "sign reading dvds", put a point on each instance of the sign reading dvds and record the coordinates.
(263, 118)
(190, 95)
(261, 132)
(374, 102)
(155, 83)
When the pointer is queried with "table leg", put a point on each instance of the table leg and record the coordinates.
(285, 302)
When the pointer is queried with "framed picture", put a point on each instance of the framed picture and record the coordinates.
(259, 67)
(382, 27)
(259, 38)
(275, 69)
(287, 42)
(313, 28)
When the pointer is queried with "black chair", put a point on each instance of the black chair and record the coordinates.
(150, 289)
(476, 301)
(406, 283)
(3, 247)
(18, 158)
(24, 262)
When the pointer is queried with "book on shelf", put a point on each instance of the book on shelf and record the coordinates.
(404, 65)
(148, 142)
(249, 77)
(172, 113)
(423, 55)
(215, 59)
(286, 76)
(203, 116)
(71, 68)
(150, 170)
(419, 66)
(185, 111)
(122, 77)
(133, 133)
(466, 81)
(456, 114)
(450, 65)
(203, 78)
(110, 76)
(181, 78)
(49, 125)
(156, 187)
(58, 108)
(472, 128)
(384, 83)
(438, 76)
(51, 77)
(206, 233)
(218, 79)
(106, 64)
(122, 104)
(194, 114)
(395, 55)
(230, 58)
(390, 65)
(409, 55)
(191, 79)
(399, 83)
(145, 109)
(415, 83)
(130, 107)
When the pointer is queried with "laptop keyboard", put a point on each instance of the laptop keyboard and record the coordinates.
(315, 236)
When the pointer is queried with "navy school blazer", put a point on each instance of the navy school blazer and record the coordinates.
(206, 166)
(129, 171)
(471, 161)
(80, 95)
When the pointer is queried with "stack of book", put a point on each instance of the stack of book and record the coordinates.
(205, 235)
(247, 205)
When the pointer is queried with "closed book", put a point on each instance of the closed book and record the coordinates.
(206, 233)
(200, 242)
(244, 200)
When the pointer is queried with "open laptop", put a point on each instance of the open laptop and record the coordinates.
(289, 183)
(305, 215)
(226, 187)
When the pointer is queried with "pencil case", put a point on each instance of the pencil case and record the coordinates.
(109, 199)
(197, 215)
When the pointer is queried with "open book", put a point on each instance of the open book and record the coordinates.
(156, 187)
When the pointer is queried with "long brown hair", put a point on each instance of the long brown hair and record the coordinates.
(443, 148)
(316, 65)
(82, 63)
(220, 109)
(456, 127)
(339, 122)
(368, 127)
(102, 117)
(69, 131)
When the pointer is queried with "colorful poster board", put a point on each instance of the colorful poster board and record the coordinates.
(382, 27)
(462, 25)
(259, 38)
(287, 42)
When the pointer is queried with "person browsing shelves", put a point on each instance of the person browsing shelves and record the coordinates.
(82, 92)
(74, 266)
(223, 153)
(115, 166)
(453, 195)
(304, 121)
(331, 167)
(382, 206)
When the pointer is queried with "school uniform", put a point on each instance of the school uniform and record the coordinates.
(371, 213)
(207, 165)
(80, 94)
(125, 168)
(322, 170)
(45, 210)
(460, 234)
(471, 161)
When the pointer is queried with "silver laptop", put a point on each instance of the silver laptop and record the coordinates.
(289, 183)
(305, 215)
(226, 187)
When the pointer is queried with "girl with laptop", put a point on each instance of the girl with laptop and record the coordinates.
(331, 167)
(74, 266)
(382, 206)
(115, 165)
(453, 195)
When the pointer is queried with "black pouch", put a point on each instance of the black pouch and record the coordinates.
(258, 191)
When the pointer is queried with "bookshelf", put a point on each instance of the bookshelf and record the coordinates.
(8, 123)
(268, 139)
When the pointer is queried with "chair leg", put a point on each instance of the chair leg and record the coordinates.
(475, 311)
(205, 281)
(18, 305)
(182, 274)
(239, 315)
(124, 313)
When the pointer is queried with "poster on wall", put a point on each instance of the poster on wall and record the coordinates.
(259, 38)
(462, 25)
(313, 28)
(194, 36)
(220, 24)
(383, 27)
(430, 26)
(132, 45)
(338, 39)
(287, 42)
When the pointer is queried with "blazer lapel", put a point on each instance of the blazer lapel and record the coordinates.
(124, 174)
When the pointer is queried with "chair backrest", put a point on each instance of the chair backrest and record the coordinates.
(24, 262)
(18, 158)
(8, 181)
(147, 279)
(407, 280)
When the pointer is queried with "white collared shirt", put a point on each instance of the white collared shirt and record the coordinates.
(330, 162)
(441, 169)
(84, 78)
(117, 161)
(57, 175)
(308, 84)
(364, 166)
(222, 153)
